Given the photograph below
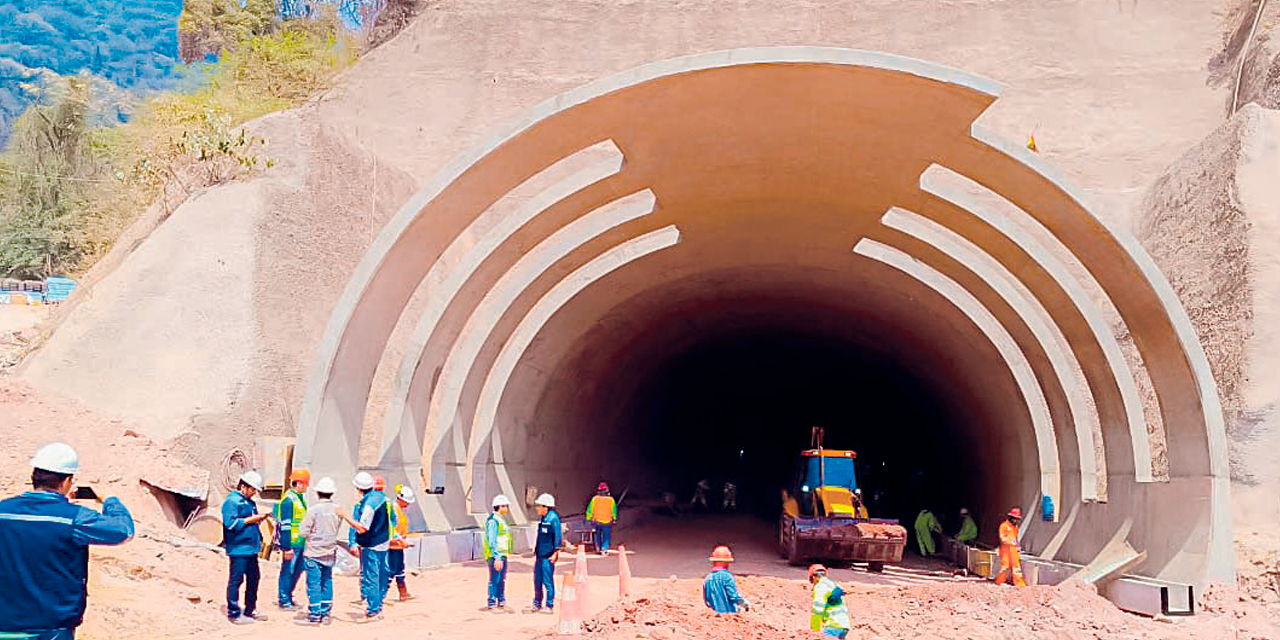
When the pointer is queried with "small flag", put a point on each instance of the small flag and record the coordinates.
(1031, 142)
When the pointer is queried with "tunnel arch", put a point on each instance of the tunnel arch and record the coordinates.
(773, 166)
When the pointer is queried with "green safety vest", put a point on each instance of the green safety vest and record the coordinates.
(827, 615)
(505, 541)
(294, 522)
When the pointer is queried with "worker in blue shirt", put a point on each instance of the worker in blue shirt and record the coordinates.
(546, 552)
(44, 549)
(720, 590)
(243, 541)
(371, 533)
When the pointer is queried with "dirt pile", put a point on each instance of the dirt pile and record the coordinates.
(953, 609)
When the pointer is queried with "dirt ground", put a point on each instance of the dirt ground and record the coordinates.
(162, 585)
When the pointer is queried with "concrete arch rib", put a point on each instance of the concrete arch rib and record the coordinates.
(402, 442)
(1065, 368)
(442, 414)
(495, 382)
(1033, 395)
(1121, 375)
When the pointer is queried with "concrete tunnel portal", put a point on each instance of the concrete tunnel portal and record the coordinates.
(674, 272)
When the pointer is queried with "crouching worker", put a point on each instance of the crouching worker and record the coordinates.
(720, 590)
(830, 614)
(320, 528)
(44, 549)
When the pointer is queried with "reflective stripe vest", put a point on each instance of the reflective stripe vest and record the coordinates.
(829, 609)
(399, 525)
(602, 510)
(289, 514)
(504, 539)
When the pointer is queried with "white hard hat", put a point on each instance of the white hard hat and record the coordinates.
(326, 485)
(58, 458)
(363, 481)
(546, 500)
(406, 494)
(252, 478)
(500, 501)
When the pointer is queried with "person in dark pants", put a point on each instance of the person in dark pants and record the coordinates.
(243, 541)
(546, 552)
(44, 549)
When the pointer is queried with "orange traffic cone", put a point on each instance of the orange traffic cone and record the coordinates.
(570, 611)
(581, 582)
(624, 572)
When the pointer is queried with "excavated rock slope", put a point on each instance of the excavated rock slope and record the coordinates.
(206, 332)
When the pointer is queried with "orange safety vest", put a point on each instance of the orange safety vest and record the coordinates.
(401, 529)
(602, 509)
(1010, 557)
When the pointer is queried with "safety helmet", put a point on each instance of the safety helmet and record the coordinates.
(604, 486)
(58, 458)
(252, 478)
(300, 475)
(964, 511)
(379, 483)
(546, 500)
(815, 569)
(406, 494)
(721, 554)
(326, 485)
(363, 481)
(500, 501)
(1015, 513)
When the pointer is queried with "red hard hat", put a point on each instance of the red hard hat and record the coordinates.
(815, 568)
(1015, 513)
(721, 554)
(300, 475)
(379, 483)
(604, 486)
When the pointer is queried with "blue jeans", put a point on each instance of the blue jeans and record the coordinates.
(243, 569)
(604, 536)
(373, 578)
(395, 567)
(544, 578)
(290, 571)
(56, 634)
(319, 588)
(498, 584)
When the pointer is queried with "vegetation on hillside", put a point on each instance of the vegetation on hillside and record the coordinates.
(68, 188)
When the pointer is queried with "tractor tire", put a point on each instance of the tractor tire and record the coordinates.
(793, 551)
(875, 566)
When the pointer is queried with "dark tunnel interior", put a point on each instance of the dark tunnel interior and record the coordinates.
(740, 408)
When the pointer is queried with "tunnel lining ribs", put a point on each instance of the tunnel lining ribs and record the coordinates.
(841, 195)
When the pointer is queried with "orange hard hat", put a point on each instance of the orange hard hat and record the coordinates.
(1015, 513)
(300, 475)
(721, 554)
(814, 569)
(379, 483)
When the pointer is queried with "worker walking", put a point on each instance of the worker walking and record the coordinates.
(289, 514)
(399, 541)
(926, 525)
(700, 490)
(602, 512)
(720, 589)
(968, 528)
(243, 541)
(371, 530)
(546, 552)
(498, 544)
(44, 549)
(830, 615)
(320, 529)
(730, 497)
(1010, 556)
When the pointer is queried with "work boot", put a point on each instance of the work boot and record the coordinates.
(287, 606)
(404, 592)
(534, 609)
(240, 619)
(255, 616)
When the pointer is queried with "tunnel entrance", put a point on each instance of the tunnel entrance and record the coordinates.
(739, 408)
(675, 272)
